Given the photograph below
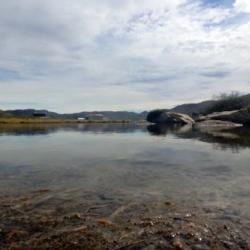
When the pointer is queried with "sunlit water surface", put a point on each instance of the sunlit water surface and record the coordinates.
(129, 162)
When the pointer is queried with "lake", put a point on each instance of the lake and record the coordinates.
(129, 162)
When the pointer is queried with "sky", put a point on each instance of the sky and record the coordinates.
(82, 55)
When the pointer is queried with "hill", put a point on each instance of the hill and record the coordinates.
(112, 115)
(4, 114)
(229, 102)
(224, 102)
(191, 108)
(30, 112)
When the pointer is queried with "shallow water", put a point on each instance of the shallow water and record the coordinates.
(129, 162)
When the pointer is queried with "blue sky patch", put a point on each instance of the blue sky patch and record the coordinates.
(6, 75)
(216, 3)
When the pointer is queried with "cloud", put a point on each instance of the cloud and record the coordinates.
(85, 55)
(214, 73)
(242, 5)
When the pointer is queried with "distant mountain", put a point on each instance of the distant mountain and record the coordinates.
(30, 112)
(225, 103)
(112, 115)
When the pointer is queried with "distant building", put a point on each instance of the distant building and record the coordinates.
(39, 114)
(95, 117)
(81, 119)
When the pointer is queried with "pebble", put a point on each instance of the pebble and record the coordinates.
(105, 222)
(178, 244)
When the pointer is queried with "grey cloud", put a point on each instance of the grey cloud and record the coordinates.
(216, 73)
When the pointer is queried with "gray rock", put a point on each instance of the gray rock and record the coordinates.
(162, 116)
(236, 116)
(217, 115)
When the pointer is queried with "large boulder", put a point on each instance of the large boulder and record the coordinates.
(241, 116)
(163, 116)
(217, 115)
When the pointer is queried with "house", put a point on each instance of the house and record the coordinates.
(81, 119)
(95, 117)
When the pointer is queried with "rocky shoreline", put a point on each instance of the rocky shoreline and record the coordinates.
(38, 221)
(220, 120)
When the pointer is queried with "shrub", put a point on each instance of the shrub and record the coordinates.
(227, 102)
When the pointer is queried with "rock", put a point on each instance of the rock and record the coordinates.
(162, 116)
(236, 116)
(216, 115)
(105, 222)
(178, 244)
(181, 118)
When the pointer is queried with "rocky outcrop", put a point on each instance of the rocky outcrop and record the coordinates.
(165, 117)
(236, 116)
(225, 119)
(217, 115)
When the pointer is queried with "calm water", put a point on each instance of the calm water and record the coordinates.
(129, 162)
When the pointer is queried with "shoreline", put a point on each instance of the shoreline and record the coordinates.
(36, 221)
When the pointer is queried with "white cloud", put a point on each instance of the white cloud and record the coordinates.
(127, 54)
(242, 5)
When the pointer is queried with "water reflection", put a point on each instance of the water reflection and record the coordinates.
(233, 139)
(128, 161)
(45, 129)
(163, 130)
